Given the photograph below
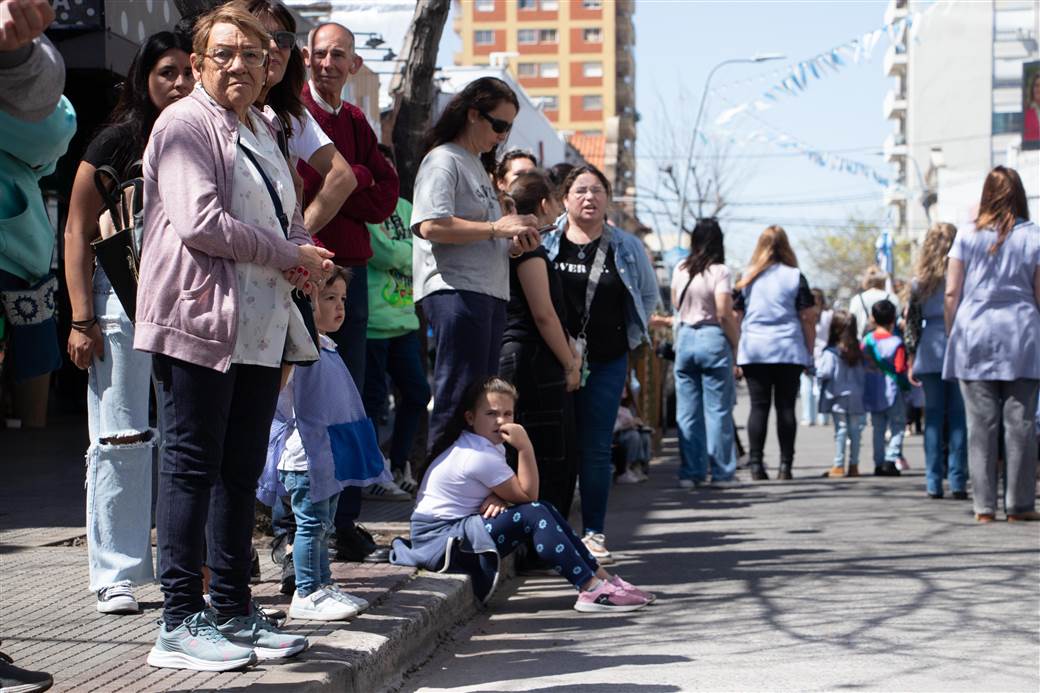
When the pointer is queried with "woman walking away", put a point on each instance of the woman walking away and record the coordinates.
(537, 355)
(609, 289)
(119, 459)
(709, 333)
(473, 510)
(992, 314)
(463, 243)
(841, 374)
(926, 345)
(213, 307)
(778, 329)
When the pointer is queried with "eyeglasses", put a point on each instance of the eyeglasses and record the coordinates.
(499, 126)
(283, 39)
(252, 57)
(595, 190)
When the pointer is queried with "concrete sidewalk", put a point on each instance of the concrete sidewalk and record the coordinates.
(48, 620)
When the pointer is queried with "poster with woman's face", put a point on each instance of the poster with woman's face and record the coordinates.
(1031, 105)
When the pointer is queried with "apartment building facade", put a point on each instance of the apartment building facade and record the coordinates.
(956, 107)
(573, 57)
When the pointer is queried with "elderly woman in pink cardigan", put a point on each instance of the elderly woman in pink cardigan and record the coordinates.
(219, 262)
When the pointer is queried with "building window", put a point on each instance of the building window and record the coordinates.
(527, 69)
(594, 35)
(549, 70)
(592, 102)
(594, 69)
(485, 5)
(549, 102)
(547, 35)
(592, 4)
(550, 5)
(1007, 123)
(527, 4)
(483, 37)
(527, 36)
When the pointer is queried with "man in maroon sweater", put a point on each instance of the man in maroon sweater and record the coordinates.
(332, 61)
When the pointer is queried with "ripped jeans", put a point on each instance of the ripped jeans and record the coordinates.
(119, 459)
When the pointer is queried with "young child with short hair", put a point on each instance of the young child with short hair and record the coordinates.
(885, 387)
(841, 375)
(472, 509)
(321, 441)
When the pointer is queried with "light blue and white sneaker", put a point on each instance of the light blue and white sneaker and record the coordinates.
(267, 641)
(339, 594)
(197, 644)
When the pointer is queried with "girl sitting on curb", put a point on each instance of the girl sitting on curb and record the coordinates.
(463, 520)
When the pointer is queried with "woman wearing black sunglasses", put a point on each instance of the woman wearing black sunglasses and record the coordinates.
(461, 253)
(303, 138)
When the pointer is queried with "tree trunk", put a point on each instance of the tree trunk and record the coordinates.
(188, 8)
(414, 90)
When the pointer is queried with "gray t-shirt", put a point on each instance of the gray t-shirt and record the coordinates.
(452, 182)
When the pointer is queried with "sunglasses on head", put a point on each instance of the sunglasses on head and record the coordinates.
(499, 126)
(283, 39)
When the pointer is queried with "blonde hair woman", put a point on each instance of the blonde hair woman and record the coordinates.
(778, 329)
(874, 281)
(942, 398)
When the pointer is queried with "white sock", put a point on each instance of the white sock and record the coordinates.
(595, 587)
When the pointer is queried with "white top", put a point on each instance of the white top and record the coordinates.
(459, 480)
(264, 296)
(862, 303)
(699, 302)
(307, 136)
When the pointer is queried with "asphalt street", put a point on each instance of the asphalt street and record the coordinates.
(811, 584)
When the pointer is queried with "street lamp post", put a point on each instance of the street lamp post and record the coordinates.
(759, 58)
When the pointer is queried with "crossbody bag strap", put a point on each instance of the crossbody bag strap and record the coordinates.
(278, 209)
(598, 262)
(682, 296)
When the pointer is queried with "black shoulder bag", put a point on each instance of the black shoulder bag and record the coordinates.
(118, 252)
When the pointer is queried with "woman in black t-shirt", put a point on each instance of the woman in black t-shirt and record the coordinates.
(537, 355)
(119, 459)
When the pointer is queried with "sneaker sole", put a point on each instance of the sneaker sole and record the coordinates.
(110, 608)
(179, 660)
(263, 653)
(593, 608)
(301, 615)
(36, 687)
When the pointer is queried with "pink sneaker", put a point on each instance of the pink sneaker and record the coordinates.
(616, 580)
(608, 597)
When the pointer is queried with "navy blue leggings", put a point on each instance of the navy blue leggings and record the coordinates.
(544, 530)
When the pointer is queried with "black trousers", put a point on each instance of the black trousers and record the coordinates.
(216, 432)
(777, 384)
(544, 413)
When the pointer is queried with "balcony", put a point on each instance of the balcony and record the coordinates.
(894, 106)
(895, 148)
(894, 196)
(895, 60)
(896, 9)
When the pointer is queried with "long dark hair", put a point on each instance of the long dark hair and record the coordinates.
(457, 424)
(706, 247)
(284, 97)
(844, 336)
(1003, 202)
(529, 189)
(483, 95)
(135, 113)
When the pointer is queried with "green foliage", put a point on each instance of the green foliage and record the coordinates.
(835, 258)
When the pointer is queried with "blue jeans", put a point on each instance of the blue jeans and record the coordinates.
(810, 396)
(540, 526)
(847, 427)
(596, 408)
(467, 334)
(893, 420)
(943, 405)
(704, 403)
(401, 358)
(119, 474)
(313, 526)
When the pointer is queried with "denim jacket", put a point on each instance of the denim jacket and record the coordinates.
(636, 272)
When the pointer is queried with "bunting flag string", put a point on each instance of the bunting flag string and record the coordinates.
(794, 79)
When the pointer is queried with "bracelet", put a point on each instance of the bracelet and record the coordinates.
(491, 232)
(84, 325)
